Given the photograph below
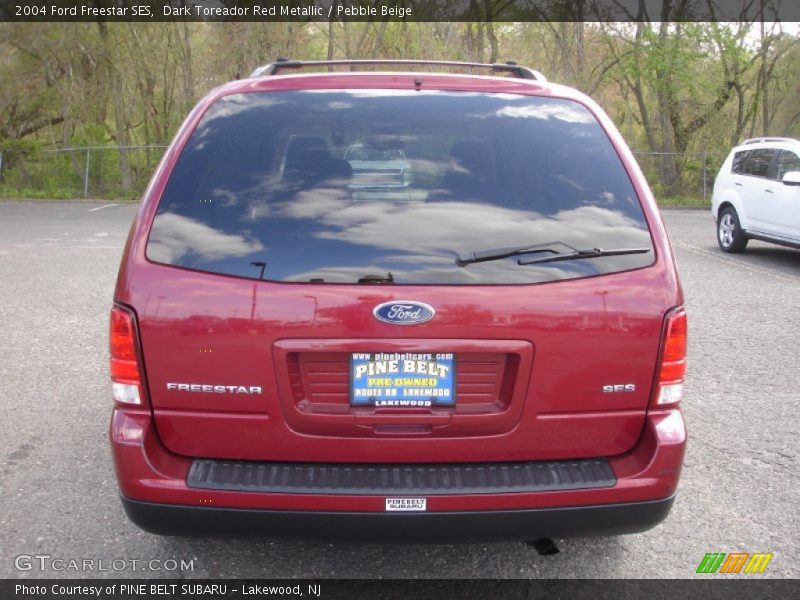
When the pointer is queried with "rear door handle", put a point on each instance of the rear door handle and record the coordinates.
(769, 191)
(738, 184)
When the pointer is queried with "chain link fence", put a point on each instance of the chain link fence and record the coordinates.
(77, 172)
(94, 172)
(685, 176)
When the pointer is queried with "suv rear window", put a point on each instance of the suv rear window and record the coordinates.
(332, 186)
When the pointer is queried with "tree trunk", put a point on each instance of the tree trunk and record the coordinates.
(120, 117)
(580, 55)
(377, 47)
(669, 119)
(494, 49)
(330, 39)
(188, 67)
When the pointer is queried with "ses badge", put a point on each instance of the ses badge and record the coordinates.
(402, 379)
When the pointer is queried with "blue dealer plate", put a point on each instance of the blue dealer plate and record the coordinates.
(406, 379)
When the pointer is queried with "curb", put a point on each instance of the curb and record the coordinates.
(682, 207)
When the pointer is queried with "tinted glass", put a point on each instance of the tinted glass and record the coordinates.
(365, 153)
(739, 162)
(787, 161)
(269, 180)
(758, 162)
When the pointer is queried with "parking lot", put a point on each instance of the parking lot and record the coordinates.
(58, 496)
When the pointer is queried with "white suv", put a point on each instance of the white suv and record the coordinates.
(757, 194)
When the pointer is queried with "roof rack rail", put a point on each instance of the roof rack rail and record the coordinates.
(767, 139)
(285, 63)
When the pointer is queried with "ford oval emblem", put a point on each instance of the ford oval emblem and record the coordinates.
(404, 312)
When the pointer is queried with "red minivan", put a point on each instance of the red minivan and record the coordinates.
(428, 305)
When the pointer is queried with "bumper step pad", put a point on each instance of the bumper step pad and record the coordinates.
(381, 480)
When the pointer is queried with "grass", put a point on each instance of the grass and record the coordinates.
(684, 201)
(13, 193)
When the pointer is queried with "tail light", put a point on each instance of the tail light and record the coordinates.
(669, 389)
(126, 383)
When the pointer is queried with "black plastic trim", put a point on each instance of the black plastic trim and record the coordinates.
(432, 527)
(400, 479)
(508, 67)
(772, 240)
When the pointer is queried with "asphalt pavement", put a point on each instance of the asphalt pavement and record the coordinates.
(58, 497)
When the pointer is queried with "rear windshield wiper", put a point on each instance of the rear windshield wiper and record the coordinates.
(546, 248)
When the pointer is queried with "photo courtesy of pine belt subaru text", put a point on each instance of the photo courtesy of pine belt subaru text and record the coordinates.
(434, 301)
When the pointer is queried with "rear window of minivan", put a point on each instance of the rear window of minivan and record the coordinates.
(266, 188)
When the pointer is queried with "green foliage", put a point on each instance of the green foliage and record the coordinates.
(684, 90)
(36, 174)
(684, 202)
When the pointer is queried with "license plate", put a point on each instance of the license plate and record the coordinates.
(406, 379)
(406, 504)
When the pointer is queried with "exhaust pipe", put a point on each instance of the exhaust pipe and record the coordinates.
(544, 546)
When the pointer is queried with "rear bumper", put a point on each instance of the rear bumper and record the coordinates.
(463, 526)
(156, 496)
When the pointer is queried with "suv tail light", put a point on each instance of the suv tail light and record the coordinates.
(669, 389)
(126, 381)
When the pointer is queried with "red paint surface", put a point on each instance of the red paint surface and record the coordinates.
(552, 347)
(146, 471)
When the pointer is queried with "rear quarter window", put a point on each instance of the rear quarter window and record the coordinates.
(330, 186)
(739, 162)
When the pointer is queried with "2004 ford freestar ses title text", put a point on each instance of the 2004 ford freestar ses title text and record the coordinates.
(479, 335)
